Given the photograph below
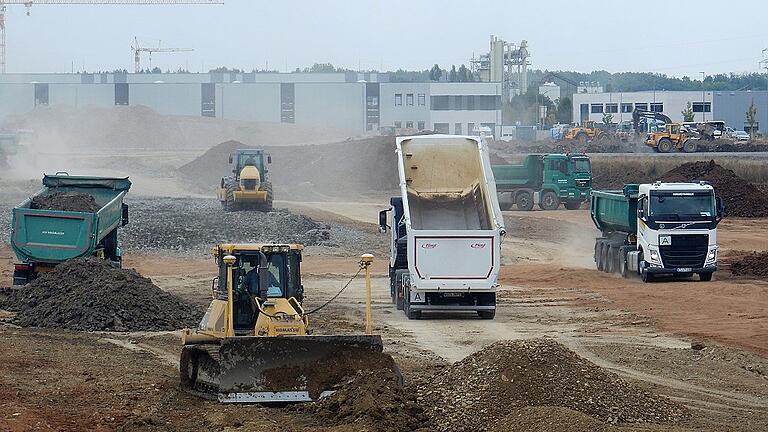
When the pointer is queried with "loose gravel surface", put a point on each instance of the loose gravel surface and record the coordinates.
(194, 225)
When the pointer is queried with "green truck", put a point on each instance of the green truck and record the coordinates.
(544, 179)
(43, 238)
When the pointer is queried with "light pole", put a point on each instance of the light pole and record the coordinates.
(703, 100)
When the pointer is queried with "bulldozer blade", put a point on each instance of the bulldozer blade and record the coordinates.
(256, 369)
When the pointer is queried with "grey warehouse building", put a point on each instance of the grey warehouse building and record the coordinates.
(356, 101)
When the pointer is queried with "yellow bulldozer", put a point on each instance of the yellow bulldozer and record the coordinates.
(248, 187)
(255, 345)
(673, 136)
(585, 133)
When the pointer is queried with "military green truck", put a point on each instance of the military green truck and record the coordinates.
(544, 179)
(42, 238)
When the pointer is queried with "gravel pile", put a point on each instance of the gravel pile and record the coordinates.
(65, 201)
(88, 294)
(194, 225)
(477, 393)
(752, 264)
(741, 198)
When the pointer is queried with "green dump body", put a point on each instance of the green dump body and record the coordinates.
(527, 174)
(52, 236)
(615, 210)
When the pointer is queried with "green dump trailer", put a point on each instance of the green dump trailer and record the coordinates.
(43, 238)
(615, 211)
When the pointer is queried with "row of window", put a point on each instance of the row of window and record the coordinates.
(409, 125)
(444, 128)
(627, 108)
(465, 102)
(422, 98)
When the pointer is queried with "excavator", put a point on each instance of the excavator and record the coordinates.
(255, 345)
(673, 136)
(588, 131)
(248, 187)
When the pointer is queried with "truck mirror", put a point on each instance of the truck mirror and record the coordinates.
(720, 207)
(383, 221)
(230, 158)
(125, 214)
(269, 159)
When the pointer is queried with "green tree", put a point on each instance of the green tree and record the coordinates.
(564, 110)
(607, 118)
(687, 113)
(435, 74)
(465, 75)
(752, 117)
(453, 76)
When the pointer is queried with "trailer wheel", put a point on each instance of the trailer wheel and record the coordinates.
(410, 313)
(623, 263)
(524, 201)
(608, 258)
(705, 277)
(665, 145)
(549, 201)
(599, 255)
(487, 315)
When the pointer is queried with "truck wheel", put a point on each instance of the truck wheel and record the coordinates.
(267, 206)
(524, 201)
(573, 205)
(705, 277)
(665, 145)
(608, 258)
(689, 146)
(623, 263)
(646, 277)
(487, 315)
(599, 255)
(410, 313)
(549, 201)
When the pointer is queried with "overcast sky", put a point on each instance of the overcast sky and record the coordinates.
(674, 37)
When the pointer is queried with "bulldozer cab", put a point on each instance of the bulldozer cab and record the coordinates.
(589, 124)
(260, 272)
(243, 158)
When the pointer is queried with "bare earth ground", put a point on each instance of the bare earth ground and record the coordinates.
(64, 380)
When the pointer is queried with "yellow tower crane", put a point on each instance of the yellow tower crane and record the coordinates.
(29, 3)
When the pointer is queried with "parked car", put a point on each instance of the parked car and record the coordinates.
(740, 135)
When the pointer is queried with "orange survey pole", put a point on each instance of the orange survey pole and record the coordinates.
(365, 261)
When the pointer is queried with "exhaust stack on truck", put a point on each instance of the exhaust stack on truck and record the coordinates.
(657, 229)
(446, 227)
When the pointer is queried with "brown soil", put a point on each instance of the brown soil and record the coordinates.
(741, 198)
(65, 201)
(89, 294)
(753, 264)
(538, 372)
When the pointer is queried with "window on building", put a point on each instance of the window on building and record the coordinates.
(398, 124)
(41, 94)
(439, 103)
(409, 99)
(441, 128)
(597, 109)
(398, 99)
(422, 99)
(457, 129)
(626, 107)
(409, 125)
(471, 128)
(657, 107)
(641, 106)
(612, 108)
(420, 125)
(702, 107)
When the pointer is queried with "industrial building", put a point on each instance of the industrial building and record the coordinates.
(729, 106)
(356, 101)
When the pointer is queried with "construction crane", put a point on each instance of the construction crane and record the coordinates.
(137, 50)
(29, 3)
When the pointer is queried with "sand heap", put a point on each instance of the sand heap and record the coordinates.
(89, 294)
(479, 392)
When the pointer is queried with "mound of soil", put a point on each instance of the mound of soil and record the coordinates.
(311, 172)
(551, 419)
(752, 264)
(741, 198)
(89, 294)
(478, 392)
(615, 176)
(373, 399)
(65, 201)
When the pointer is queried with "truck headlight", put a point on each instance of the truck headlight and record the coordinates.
(712, 255)
(653, 256)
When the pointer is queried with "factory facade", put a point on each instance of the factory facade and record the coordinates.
(355, 101)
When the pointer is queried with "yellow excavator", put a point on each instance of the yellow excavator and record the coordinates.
(254, 343)
(584, 133)
(248, 187)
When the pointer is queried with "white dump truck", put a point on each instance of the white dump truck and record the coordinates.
(446, 227)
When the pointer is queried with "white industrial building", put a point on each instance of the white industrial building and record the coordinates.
(592, 106)
(357, 101)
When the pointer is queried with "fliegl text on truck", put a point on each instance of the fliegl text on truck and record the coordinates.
(658, 229)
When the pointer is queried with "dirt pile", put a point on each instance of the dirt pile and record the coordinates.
(741, 198)
(615, 176)
(88, 294)
(65, 201)
(752, 264)
(373, 399)
(344, 170)
(478, 392)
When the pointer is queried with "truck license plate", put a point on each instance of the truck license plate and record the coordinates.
(684, 270)
(452, 294)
